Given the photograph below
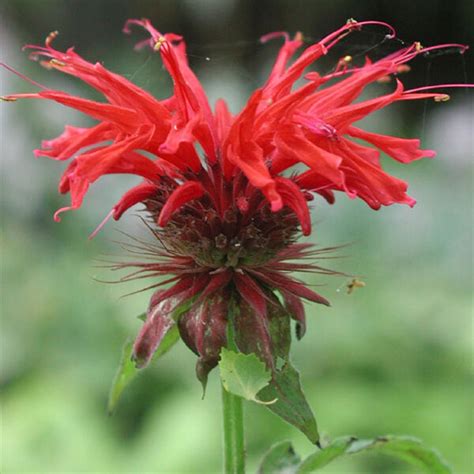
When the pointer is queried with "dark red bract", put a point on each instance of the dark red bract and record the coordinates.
(227, 218)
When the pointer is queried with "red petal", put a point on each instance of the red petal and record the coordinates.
(291, 142)
(223, 120)
(251, 293)
(295, 307)
(400, 149)
(284, 55)
(293, 198)
(217, 282)
(277, 281)
(370, 182)
(134, 196)
(74, 139)
(181, 195)
(78, 188)
(344, 116)
(125, 118)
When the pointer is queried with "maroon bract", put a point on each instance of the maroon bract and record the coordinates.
(226, 219)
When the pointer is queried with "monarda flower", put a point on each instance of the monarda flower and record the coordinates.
(221, 192)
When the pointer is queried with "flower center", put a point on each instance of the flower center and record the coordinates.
(245, 233)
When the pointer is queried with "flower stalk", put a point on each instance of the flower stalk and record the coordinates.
(233, 416)
(234, 445)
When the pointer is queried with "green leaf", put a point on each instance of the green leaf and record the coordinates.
(407, 448)
(280, 459)
(243, 374)
(315, 461)
(127, 371)
(291, 404)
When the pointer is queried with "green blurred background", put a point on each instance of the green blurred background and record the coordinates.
(394, 357)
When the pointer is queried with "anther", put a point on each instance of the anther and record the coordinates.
(347, 59)
(442, 98)
(46, 64)
(159, 43)
(403, 68)
(299, 36)
(55, 62)
(418, 46)
(5, 98)
(49, 39)
(384, 79)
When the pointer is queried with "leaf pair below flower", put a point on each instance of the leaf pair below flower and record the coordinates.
(282, 459)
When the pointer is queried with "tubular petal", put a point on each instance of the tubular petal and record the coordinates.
(181, 195)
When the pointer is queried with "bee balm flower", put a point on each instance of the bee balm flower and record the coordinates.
(227, 218)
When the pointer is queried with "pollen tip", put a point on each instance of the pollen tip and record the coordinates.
(55, 62)
(384, 80)
(403, 68)
(442, 98)
(159, 43)
(50, 38)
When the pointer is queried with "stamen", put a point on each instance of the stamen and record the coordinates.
(403, 68)
(55, 62)
(442, 98)
(384, 79)
(352, 21)
(104, 221)
(19, 74)
(439, 86)
(5, 98)
(159, 43)
(417, 48)
(350, 26)
(46, 64)
(50, 38)
(299, 36)
(275, 34)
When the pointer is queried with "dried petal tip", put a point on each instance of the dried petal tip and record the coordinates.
(157, 324)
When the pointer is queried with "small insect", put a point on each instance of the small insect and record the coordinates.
(352, 285)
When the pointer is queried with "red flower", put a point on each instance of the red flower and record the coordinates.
(226, 220)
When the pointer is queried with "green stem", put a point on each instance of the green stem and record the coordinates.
(232, 410)
(234, 450)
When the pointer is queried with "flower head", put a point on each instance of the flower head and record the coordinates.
(226, 218)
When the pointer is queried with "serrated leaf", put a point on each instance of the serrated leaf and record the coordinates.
(127, 371)
(291, 404)
(407, 448)
(243, 374)
(280, 459)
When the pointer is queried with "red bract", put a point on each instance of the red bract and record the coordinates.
(227, 218)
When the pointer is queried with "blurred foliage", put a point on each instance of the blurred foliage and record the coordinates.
(393, 357)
